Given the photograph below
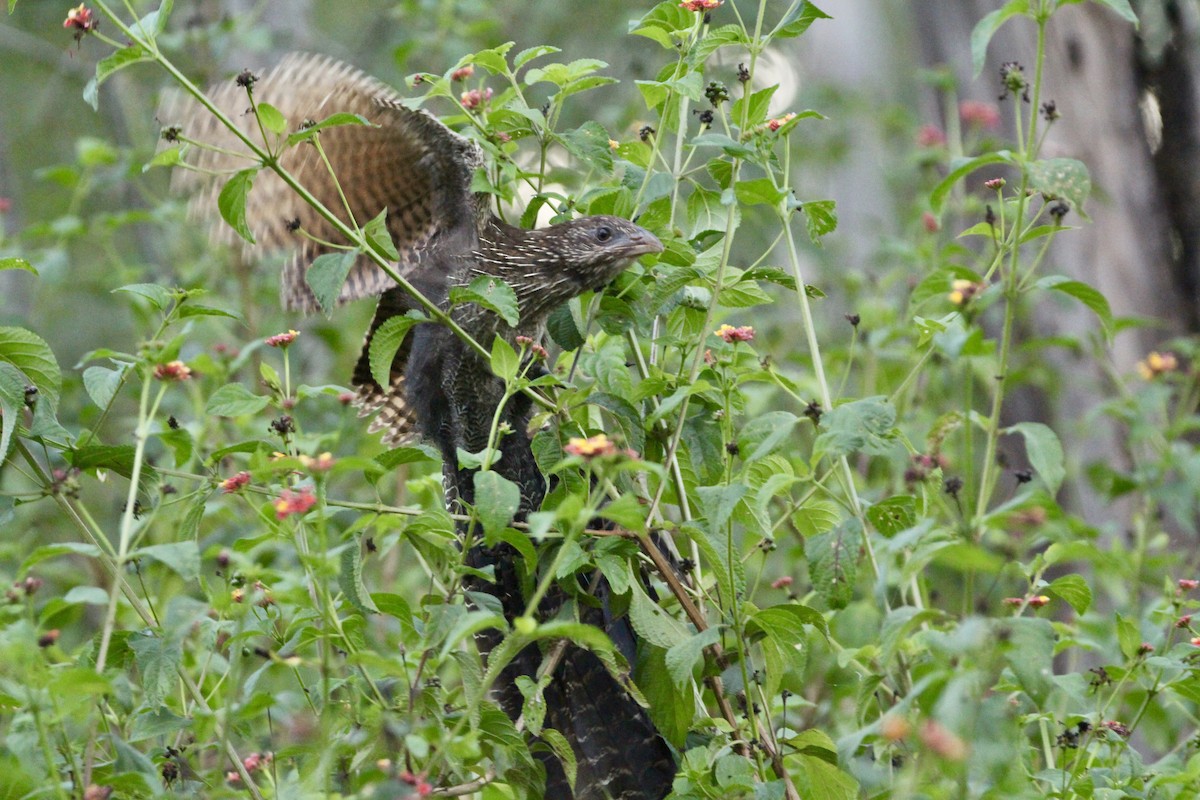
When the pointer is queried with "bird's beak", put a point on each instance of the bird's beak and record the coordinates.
(642, 242)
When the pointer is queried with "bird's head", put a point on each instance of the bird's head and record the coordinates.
(589, 252)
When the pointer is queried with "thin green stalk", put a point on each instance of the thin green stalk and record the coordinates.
(44, 743)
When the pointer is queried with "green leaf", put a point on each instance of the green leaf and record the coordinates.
(332, 121)
(862, 426)
(493, 59)
(562, 329)
(1044, 451)
(671, 707)
(1089, 296)
(719, 502)
(118, 60)
(231, 202)
(159, 296)
(505, 362)
(12, 400)
(759, 104)
(1030, 654)
(350, 578)
(17, 263)
(188, 310)
(797, 20)
(627, 511)
(525, 56)
(960, 168)
(821, 218)
(1122, 7)
(327, 275)
(760, 191)
(1129, 637)
(1063, 178)
(897, 627)
(406, 455)
(102, 383)
(566, 754)
(385, 343)
(182, 557)
(155, 22)
(986, 28)
(158, 661)
(821, 780)
(118, 458)
(86, 595)
(167, 157)
(833, 562)
(765, 434)
(780, 633)
(731, 147)
(54, 550)
(652, 623)
(1074, 590)
(272, 118)
(157, 722)
(380, 238)
(893, 515)
(534, 707)
(589, 143)
(30, 354)
(715, 39)
(496, 500)
(234, 400)
(491, 293)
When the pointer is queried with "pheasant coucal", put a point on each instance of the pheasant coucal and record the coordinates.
(411, 164)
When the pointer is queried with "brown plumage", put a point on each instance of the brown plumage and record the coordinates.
(419, 170)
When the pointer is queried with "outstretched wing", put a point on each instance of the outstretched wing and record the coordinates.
(405, 161)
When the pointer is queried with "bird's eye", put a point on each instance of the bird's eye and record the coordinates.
(603, 233)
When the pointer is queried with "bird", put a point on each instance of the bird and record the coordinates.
(446, 234)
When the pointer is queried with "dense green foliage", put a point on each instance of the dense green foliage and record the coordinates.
(873, 602)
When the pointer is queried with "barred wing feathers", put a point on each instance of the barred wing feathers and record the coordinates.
(406, 161)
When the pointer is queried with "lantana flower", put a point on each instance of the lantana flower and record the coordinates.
(172, 371)
(1156, 364)
(729, 333)
(282, 339)
(591, 447)
(294, 502)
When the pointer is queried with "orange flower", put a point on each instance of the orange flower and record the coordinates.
(700, 5)
(1157, 364)
(322, 463)
(290, 502)
(598, 445)
(894, 727)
